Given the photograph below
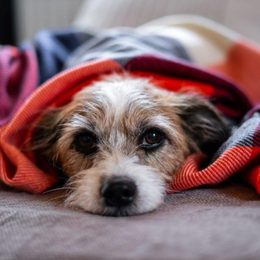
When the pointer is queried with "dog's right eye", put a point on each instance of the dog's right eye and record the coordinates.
(86, 142)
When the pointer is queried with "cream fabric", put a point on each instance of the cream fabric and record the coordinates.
(205, 41)
(239, 15)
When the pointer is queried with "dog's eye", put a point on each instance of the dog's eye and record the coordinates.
(152, 138)
(86, 143)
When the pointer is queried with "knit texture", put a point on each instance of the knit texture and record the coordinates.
(172, 63)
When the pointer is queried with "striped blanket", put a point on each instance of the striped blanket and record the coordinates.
(198, 55)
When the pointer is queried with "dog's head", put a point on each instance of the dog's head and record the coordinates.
(121, 140)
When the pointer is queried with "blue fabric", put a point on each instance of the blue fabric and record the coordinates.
(54, 47)
(60, 49)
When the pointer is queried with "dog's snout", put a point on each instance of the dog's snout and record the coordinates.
(118, 192)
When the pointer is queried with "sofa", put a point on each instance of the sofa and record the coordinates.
(209, 222)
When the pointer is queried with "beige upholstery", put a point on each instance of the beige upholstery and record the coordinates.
(240, 15)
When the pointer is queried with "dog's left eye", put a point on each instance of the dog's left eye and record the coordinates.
(86, 143)
(152, 138)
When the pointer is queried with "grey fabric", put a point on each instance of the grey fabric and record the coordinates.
(242, 136)
(208, 223)
(122, 43)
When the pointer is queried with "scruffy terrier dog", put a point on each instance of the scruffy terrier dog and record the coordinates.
(121, 140)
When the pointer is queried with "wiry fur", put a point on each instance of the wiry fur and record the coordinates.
(118, 109)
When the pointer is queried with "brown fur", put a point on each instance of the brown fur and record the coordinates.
(189, 122)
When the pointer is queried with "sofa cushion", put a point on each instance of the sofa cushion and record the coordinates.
(216, 223)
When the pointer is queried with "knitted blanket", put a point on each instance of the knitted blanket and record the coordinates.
(157, 52)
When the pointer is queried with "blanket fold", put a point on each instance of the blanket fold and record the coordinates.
(18, 78)
(178, 71)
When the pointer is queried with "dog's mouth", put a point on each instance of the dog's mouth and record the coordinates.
(119, 211)
(116, 194)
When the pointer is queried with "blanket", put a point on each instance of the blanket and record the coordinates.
(18, 78)
(174, 65)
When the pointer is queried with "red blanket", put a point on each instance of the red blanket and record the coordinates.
(239, 154)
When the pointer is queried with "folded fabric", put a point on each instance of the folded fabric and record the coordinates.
(188, 37)
(214, 47)
(120, 44)
(24, 67)
(18, 78)
(163, 52)
(53, 48)
(19, 169)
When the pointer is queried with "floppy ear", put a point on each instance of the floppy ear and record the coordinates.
(202, 123)
(46, 134)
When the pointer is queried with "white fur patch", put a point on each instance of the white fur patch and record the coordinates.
(112, 100)
(150, 186)
(116, 92)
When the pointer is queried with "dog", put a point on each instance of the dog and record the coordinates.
(121, 140)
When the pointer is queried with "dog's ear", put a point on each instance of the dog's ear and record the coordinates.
(202, 123)
(46, 134)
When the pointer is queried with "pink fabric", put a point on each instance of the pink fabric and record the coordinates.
(18, 79)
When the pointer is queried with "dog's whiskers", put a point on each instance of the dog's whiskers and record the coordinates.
(56, 189)
(58, 199)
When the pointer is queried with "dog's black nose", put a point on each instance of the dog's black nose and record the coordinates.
(118, 192)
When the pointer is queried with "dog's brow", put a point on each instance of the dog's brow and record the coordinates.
(78, 121)
(160, 121)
